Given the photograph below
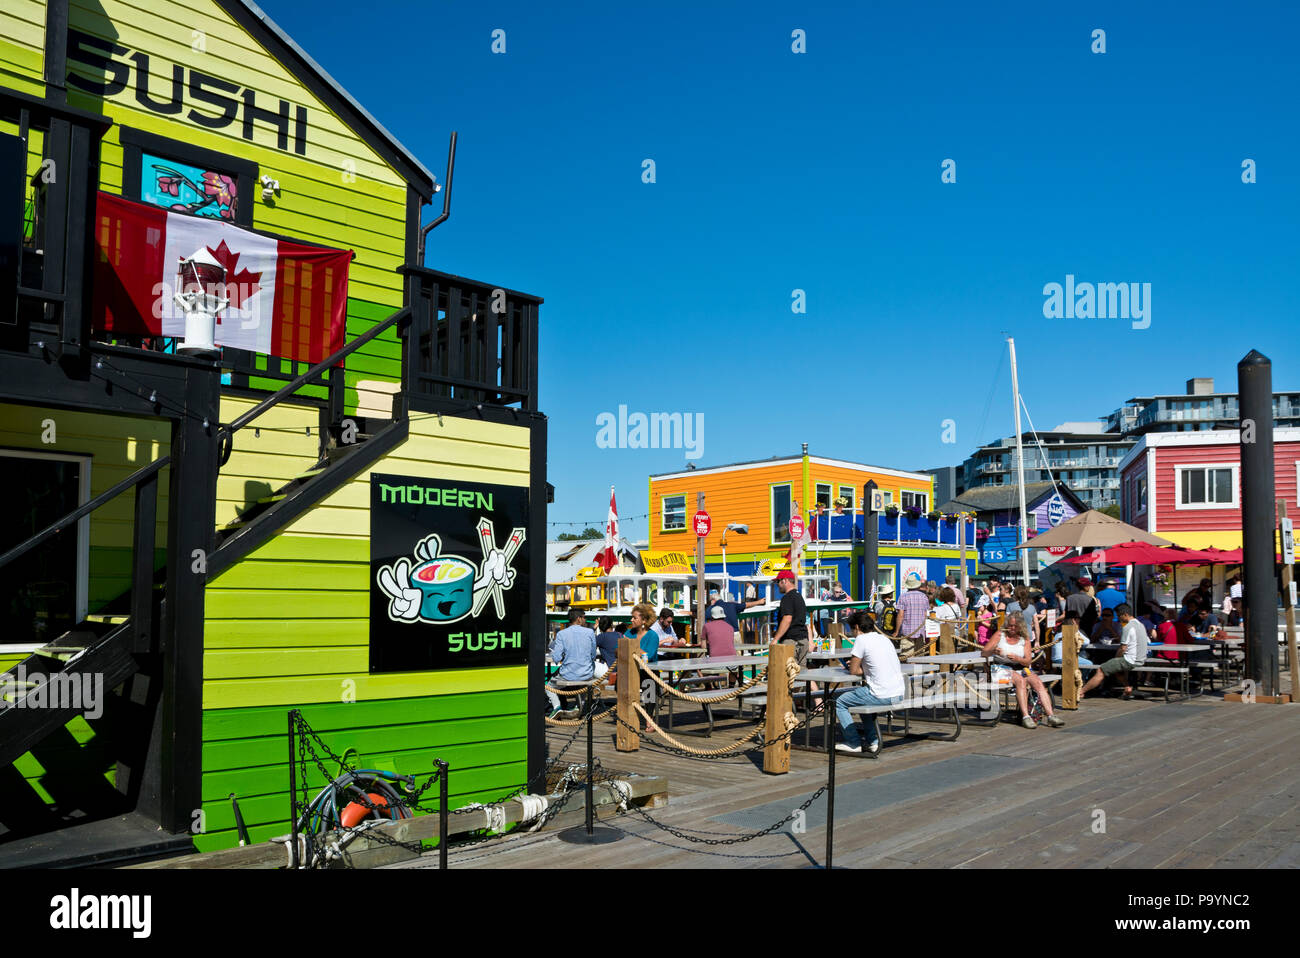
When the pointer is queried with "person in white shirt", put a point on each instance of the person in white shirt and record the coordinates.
(876, 660)
(1015, 655)
(1132, 652)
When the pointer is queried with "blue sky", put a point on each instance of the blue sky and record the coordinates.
(820, 171)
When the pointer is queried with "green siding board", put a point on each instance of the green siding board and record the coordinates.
(300, 548)
(270, 749)
(222, 634)
(221, 724)
(258, 575)
(231, 603)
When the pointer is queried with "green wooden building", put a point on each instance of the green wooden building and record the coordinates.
(217, 537)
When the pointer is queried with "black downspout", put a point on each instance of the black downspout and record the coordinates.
(446, 202)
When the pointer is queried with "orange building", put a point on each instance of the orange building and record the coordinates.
(764, 494)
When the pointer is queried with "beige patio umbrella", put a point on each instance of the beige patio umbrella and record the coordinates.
(1092, 530)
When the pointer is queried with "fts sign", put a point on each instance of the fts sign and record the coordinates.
(448, 574)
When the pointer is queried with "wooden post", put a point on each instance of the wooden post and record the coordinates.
(1069, 665)
(629, 692)
(1287, 573)
(776, 756)
(700, 595)
(947, 642)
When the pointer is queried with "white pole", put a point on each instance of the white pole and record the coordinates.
(1020, 458)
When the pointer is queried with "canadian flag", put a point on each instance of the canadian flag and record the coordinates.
(285, 299)
(607, 558)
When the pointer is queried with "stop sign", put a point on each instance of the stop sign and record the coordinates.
(702, 524)
(1057, 550)
(796, 528)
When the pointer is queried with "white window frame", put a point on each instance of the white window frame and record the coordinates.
(771, 512)
(915, 492)
(663, 514)
(1193, 466)
(82, 600)
(852, 496)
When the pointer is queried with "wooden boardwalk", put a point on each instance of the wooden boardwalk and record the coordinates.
(1203, 783)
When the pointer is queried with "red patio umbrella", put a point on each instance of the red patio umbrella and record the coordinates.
(1136, 553)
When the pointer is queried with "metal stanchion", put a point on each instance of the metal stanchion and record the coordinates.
(588, 834)
(830, 787)
(293, 795)
(442, 813)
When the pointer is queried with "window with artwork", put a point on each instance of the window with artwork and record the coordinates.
(187, 188)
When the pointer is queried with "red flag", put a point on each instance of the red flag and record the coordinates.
(607, 558)
(286, 299)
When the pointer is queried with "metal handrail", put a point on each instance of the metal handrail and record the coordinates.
(80, 513)
(225, 432)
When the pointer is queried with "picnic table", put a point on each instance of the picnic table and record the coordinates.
(682, 650)
(840, 676)
(722, 663)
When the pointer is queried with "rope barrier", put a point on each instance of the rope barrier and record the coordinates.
(694, 751)
(738, 691)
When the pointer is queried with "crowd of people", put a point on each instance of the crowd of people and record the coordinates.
(1012, 624)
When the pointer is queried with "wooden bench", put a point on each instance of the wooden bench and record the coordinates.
(1157, 666)
(1050, 682)
(930, 701)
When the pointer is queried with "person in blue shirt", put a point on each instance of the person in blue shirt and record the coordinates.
(574, 651)
(1109, 596)
(607, 641)
(643, 616)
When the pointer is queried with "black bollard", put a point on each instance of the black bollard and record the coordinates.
(830, 788)
(1255, 398)
(590, 834)
(442, 813)
(293, 795)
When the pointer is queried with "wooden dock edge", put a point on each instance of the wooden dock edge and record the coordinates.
(647, 791)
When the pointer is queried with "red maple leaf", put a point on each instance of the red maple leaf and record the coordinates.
(240, 286)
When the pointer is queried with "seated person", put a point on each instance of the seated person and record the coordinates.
(1106, 630)
(1071, 618)
(1150, 618)
(984, 624)
(876, 660)
(719, 636)
(574, 651)
(1166, 631)
(1013, 655)
(640, 629)
(664, 629)
(607, 641)
(1235, 617)
(1132, 653)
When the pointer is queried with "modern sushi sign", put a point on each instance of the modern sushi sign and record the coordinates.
(448, 576)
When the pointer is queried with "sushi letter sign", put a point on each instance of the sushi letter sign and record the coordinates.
(448, 576)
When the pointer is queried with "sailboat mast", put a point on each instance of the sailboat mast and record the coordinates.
(1020, 456)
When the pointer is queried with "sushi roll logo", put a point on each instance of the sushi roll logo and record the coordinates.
(444, 588)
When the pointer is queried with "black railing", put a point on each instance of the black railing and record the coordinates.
(474, 342)
(46, 222)
(145, 483)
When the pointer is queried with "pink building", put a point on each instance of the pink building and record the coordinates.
(1186, 486)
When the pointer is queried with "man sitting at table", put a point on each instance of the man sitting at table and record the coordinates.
(574, 651)
(1132, 652)
(1071, 618)
(876, 660)
(664, 629)
(719, 636)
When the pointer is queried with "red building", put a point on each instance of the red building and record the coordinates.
(1186, 487)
